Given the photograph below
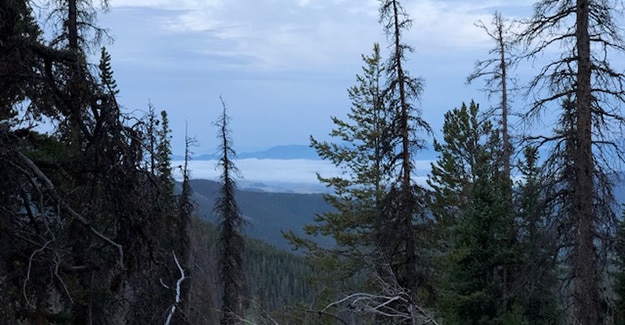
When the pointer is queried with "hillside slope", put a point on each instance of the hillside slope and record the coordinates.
(267, 213)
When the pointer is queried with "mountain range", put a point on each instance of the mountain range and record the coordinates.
(285, 152)
(289, 152)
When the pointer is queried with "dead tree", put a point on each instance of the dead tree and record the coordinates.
(585, 34)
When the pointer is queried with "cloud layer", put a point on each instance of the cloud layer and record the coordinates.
(297, 175)
(282, 65)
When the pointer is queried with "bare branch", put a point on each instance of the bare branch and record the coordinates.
(50, 187)
(177, 299)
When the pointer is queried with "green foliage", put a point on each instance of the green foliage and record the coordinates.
(83, 222)
(495, 258)
(457, 167)
(471, 209)
(537, 287)
(163, 154)
(106, 73)
(358, 193)
(277, 281)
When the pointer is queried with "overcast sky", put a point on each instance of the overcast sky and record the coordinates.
(283, 66)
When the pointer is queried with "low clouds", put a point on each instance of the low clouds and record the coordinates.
(296, 175)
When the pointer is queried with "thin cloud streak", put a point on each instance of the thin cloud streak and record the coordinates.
(288, 34)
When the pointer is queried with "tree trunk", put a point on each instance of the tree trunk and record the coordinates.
(504, 99)
(585, 280)
(407, 200)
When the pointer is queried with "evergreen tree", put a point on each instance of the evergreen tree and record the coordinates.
(94, 220)
(163, 154)
(456, 169)
(106, 73)
(231, 238)
(476, 250)
(537, 281)
(362, 155)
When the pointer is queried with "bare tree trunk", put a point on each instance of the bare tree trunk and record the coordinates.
(72, 24)
(507, 148)
(585, 280)
(407, 202)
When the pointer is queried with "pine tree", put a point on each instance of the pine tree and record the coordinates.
(363, 155)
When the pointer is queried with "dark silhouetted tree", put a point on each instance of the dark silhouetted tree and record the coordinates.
(81, 216)
(403, 224)
(231, 244)
(585, 34)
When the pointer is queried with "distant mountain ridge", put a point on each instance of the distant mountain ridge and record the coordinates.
(284, 152)
(295, 151)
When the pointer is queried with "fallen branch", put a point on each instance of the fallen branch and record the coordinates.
(394, 301)
(172, 311)
(30, 265)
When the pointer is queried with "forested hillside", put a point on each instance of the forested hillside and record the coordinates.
(267, 214)
(277, 280)
(519, 221)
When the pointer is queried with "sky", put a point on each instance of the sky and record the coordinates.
(283, 66)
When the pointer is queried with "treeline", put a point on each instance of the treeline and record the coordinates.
(276, 281)
(499, 234)
(92, 233)
(90, 230)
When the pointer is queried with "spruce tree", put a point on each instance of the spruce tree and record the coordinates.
(475, 228)
(536, 282)
(231, 244)
(163, 154)
(106, 73)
